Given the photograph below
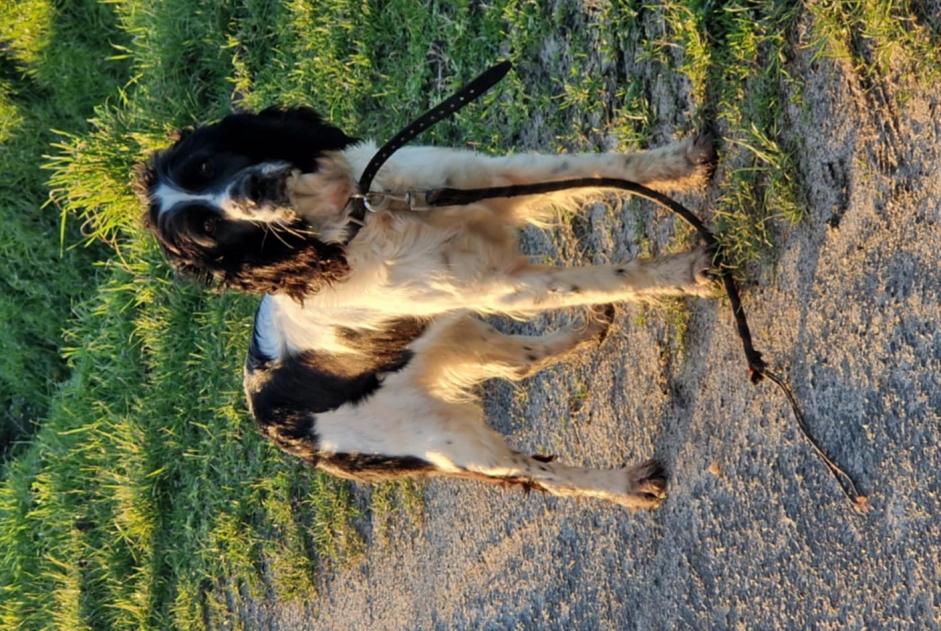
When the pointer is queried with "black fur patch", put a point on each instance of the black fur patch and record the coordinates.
(285, 395)
(374, 467)
(280, 261)
(297, 136)
(250, 257)
(384, 344)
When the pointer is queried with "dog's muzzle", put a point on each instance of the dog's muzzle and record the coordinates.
(265, 186)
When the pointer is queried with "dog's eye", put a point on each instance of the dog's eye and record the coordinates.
(205, 169)
(209, 225)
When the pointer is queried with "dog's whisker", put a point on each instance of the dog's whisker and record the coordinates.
(268, 228)
(293, 230)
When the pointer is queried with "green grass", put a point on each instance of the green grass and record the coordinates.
(734, 54)
(877, 37)
(146, 499)
(49, 79)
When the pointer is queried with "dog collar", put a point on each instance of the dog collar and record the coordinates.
(365, 200)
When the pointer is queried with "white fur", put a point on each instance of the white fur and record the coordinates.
(169, 194)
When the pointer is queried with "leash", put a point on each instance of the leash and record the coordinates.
(423, 201)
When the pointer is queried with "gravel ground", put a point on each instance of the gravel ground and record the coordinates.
(755, 533)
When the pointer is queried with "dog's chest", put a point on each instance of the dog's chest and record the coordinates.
(460, 245)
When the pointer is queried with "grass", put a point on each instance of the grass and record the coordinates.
(48, 80)
(735, 54)
(146, 499)
(877, 37)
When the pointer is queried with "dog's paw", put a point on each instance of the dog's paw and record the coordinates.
(646, 485)
(701, 156)
(680, 165)
(702, 268)
(688, 272)
(695, 161)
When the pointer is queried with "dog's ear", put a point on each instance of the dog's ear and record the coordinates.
(296, 269)
(273, 259)
(295, 135)
(304, 271)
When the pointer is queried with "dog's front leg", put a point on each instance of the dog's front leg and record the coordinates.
(674, 166)
(538, 287)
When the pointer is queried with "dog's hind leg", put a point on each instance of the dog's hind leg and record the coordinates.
(483, 455)
(468, 351)
(640, 486)
(407, 434)
(407, 428)
(465, 349)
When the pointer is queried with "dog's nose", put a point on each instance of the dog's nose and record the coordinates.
(254, 187)
(261, 187)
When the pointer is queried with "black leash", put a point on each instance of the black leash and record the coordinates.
(757, 367)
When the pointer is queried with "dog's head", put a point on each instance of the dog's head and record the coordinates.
(220, 202)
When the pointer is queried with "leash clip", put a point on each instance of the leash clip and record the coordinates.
(377, 201)
(417, 201)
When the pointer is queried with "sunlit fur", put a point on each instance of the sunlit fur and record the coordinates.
(366, 354)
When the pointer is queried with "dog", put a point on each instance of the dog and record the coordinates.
(366, 349)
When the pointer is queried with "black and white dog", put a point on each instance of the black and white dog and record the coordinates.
(366, 352)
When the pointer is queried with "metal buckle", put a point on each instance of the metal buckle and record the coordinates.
(376, 201)
(417, 201)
